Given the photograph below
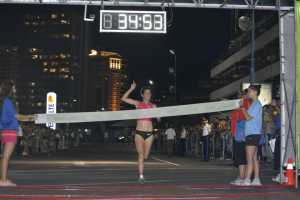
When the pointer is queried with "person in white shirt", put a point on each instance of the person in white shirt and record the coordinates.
(106, 137)
(205, 134)
(183, 135)
(171, 135)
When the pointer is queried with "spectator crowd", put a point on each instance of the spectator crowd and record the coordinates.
(212, 138)
(36, 139)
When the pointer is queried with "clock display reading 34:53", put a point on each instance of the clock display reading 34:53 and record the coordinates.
(133, 21)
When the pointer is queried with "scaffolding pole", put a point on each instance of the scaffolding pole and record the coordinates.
(287, 87)
(297, 24)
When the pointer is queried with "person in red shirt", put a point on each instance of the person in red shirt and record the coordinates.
(237, 130)
(238, 114)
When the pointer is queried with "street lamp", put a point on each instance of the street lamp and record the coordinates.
(252, 68)
(151, 82)
(172, 52)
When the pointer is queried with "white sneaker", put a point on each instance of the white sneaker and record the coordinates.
(142, 180)
(246, 182)
(256, 182)
(237, 181)
(276, 179)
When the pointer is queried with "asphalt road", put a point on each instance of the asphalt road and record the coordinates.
(109, 172)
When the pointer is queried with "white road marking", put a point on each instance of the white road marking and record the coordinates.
(166, 162)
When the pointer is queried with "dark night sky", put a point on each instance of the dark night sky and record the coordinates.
(197, 35)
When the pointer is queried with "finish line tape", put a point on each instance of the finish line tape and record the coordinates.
(171, 111)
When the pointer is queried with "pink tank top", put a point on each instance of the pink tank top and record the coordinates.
(143, 105)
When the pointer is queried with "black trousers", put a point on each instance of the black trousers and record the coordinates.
(206, 148)
(277, 150)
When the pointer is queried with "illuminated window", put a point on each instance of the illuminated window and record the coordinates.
(65, 69)
(45, 69)
(34, 57)
(45, 63)
(53, 16)
(115, 63)
(63, 21)
(66, 35)
(35, 23)
(62, 56)
(52, 70)
(32, 50)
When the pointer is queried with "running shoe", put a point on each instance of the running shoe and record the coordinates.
(256, 182)
(237, 181)
(246, 182)
(276, 179)
(142, 180)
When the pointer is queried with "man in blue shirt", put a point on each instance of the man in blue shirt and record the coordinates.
(253, 132)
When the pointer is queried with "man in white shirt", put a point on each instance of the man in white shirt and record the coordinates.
(183, 135)
(171, 135)
(106, 137)
(205, 134)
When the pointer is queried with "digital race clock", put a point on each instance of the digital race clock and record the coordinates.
(121, 21)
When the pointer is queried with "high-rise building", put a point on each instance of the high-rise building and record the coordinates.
(106, 80)
(50, 59)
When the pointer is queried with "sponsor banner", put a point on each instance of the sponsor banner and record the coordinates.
(51, 108)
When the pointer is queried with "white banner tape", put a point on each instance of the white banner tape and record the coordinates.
(170, 111)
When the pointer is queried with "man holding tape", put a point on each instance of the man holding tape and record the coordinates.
(253, 133)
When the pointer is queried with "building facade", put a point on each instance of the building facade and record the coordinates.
(233, 68)
(107, 81)
(50, 59)
(9, 62)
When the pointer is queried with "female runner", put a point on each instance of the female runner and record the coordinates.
(9, 126)
(144, 129)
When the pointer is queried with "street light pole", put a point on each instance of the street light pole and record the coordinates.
(252, 68)
(172, 52)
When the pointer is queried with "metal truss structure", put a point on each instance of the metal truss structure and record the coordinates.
(225, 4)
